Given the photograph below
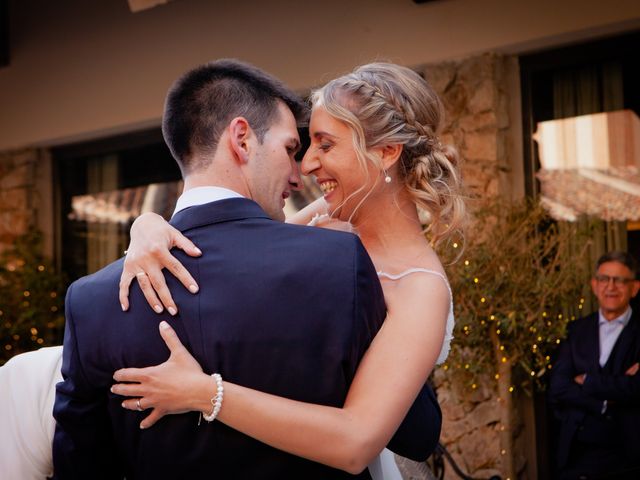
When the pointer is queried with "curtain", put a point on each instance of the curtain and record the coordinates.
(103, 242)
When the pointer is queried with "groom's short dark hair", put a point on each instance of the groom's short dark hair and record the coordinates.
(202, 102)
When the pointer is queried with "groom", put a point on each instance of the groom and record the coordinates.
(285, 309)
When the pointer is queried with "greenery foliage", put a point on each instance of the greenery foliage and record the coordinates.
(519, 281)
(31, 298)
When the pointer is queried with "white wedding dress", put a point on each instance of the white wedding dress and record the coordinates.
(27, 393)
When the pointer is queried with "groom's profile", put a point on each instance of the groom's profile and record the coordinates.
(284, 309)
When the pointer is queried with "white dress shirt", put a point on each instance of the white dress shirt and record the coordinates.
(609, 332)
(201, 195)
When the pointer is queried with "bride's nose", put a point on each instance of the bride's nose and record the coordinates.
(309, 162)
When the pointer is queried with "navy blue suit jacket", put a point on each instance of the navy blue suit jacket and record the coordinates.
(284, 309)
(579, 407)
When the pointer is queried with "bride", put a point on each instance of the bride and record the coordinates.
(376, 155)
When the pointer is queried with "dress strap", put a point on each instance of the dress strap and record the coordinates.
(409, 271)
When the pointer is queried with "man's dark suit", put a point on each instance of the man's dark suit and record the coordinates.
(284, 309)
(583, 425)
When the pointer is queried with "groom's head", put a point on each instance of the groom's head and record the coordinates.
(243, 118)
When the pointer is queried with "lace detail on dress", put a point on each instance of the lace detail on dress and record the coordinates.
(448, 332)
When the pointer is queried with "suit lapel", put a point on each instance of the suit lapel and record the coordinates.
(623, 346)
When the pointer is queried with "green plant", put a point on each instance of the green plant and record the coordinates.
(31, 298)
(517, 284)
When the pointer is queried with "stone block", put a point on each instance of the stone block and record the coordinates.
(455, 101)
(451, 410)
(452, 431)
(480, 146)
(13, 199)
(23, 157)
(478, 121)
(484, 415)
(16, 222)
(440, 76)
(19, 176)
(474, 70)
(484, 97)
(480, 448)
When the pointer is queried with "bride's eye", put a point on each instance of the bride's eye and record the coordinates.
(325, 147)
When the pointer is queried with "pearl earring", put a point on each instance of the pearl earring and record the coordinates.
(387, 178)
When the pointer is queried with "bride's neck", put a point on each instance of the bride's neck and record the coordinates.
(388, 223)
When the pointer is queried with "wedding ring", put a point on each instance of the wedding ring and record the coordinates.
(141, 274)
(138, 405)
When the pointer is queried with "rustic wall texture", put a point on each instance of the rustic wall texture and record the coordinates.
(18, 193)
(477, 93)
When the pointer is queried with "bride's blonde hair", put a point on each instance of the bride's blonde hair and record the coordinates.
(386, 104)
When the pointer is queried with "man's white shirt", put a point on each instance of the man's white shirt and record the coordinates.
(201, 195)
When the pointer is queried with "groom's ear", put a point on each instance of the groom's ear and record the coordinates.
(239, 133)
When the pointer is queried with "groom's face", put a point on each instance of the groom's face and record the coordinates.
(274, 172)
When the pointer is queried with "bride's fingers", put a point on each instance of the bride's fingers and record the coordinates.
(178, 270)
(123, 293)
(183, 243)
(152, 418)
(148, 291)
(137, 404)
(129, 389)
(170, 337)
(160, 288)
(130, 375)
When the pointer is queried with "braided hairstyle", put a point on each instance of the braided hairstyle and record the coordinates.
(387, 104)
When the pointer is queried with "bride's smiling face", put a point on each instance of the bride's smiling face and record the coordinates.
(331, 158)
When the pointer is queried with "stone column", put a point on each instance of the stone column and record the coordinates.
(17, 194)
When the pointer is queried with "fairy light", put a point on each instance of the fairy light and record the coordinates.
(476, 280)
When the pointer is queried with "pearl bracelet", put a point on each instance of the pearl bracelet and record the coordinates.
(216, 400)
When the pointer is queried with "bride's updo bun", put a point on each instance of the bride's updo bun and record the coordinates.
(387, 104)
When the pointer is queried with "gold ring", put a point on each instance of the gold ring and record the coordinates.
(141, 274)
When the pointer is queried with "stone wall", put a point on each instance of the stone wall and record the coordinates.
(476, 93)
(483, 123)
(18, 193)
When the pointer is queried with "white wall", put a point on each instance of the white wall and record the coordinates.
(82, 69)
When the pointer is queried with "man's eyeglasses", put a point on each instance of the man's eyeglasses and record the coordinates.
(617, 281)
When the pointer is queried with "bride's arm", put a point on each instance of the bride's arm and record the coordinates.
(386, 383)
(152, 238)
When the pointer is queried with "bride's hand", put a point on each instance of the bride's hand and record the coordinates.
(151, 239)
(176, 386)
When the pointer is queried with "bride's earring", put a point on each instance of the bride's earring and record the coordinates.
(387, 178)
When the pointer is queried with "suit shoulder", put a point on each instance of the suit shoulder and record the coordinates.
(582, 323)
(103, 277)
(313, 236)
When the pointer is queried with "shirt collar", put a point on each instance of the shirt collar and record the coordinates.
(201, 195)
(622, 319)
